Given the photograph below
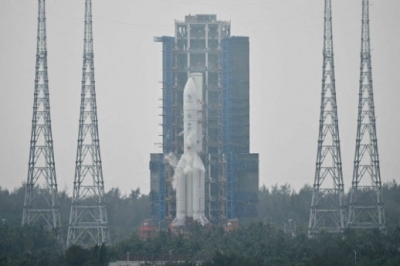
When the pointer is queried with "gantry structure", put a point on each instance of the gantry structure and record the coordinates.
(41, 206)
(203, 44)
(327, 208)
(88, 223)
(366, 199)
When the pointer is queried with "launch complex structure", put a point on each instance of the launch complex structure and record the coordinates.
(202, 44)
(365, 209)
(203, 47)
(88, 223)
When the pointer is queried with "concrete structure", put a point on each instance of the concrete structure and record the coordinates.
(203, 44)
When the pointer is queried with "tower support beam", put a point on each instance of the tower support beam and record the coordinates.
(327, 209)
(88, 223)
(366, 199)
(41, 206)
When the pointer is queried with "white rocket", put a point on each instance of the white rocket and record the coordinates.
(189, 172)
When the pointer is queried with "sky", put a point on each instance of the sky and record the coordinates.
(286, 38)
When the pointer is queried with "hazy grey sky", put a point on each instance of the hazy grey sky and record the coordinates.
(285, 79)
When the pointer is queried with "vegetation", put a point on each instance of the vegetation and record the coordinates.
(264, 244)
(260, 243)
(125, 212)
(36, 246)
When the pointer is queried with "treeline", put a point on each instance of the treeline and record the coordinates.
(277, 205)
(263, 242)
(37, 246)
(125, 212)
(255, 244)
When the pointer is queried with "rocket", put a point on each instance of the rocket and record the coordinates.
(189, 172)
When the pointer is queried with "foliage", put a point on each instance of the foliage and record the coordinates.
(125, 213)
(279, 204)
(29, 245)
(262, 243)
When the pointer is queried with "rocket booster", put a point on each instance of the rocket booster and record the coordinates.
(189, 172)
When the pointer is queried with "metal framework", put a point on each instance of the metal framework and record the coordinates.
(202, 43)
(41, 204)
(327, 209)
(366, 199)
(88, 224)
(161, 194)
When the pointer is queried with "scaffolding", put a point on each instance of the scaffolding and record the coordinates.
(226, 96)
(215, 189)
(231, 185)
(158, 186)
(162, 200)
(203, 44)
(168, 44)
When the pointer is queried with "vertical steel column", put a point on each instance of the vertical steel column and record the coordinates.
(169, 49)
(327, 209)
(88, 223)
(366, 199)
(41, 204)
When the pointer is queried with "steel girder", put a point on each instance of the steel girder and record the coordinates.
(327, 208)
(41, 206)
(366, 200)
(88, 223)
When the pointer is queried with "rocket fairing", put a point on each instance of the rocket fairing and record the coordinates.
(189, 172)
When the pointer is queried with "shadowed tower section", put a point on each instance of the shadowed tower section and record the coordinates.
(327, 210)
(88, 224)
(41, 205)
(366, 200)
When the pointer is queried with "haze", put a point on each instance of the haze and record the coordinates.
(286, 38)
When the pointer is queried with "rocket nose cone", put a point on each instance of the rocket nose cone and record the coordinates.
(189, 93)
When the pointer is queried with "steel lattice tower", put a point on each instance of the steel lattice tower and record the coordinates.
(88, 224)
(366, 200)
(327, 209)
(41, 195)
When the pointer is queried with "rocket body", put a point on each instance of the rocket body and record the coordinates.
(189, 172)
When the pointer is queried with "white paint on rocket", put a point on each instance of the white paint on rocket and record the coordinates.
(189, 172)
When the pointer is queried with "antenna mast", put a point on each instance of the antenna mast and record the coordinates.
(41, 204)
(327, 210)
(88, 224)
(366, 199)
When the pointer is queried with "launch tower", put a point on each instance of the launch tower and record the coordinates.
(41, 205)
(327, 208)
(366, 199)
(203, 44)
(88, 223)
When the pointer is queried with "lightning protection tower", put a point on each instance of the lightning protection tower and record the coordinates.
(88, 223)
(41, 205)
(327, 209)
(366, 200)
